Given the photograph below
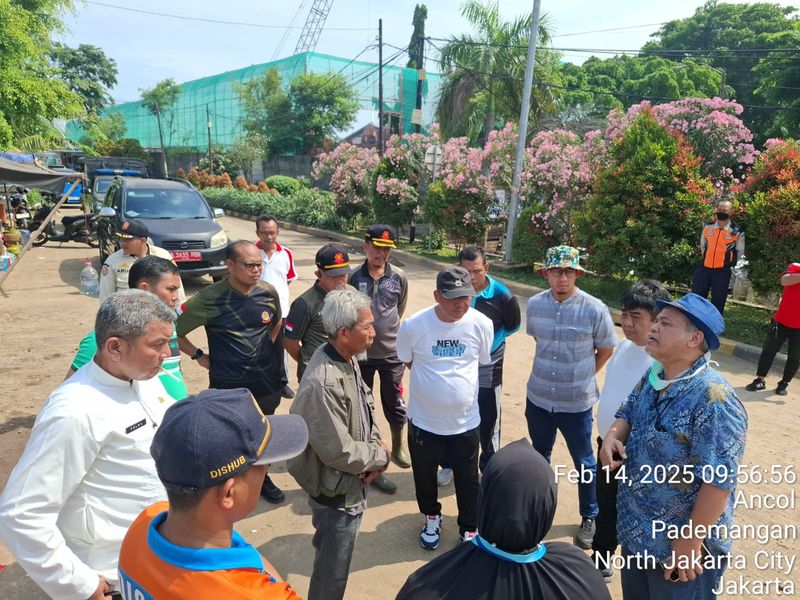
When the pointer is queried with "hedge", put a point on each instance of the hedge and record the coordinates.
(307, 206)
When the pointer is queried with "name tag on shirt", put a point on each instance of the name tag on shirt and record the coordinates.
(135, 426)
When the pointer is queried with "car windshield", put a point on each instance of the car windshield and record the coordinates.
(165, 204)
(101, 185)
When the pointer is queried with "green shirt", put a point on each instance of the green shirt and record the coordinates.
(304, 323)
(170, 375)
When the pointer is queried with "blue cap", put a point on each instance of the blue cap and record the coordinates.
(702, 313)
(216, 434)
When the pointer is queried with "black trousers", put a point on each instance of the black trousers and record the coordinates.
(605, 535)
(390, 372)
(489, 407)
(427, 453)
(715, 280)
(776, 336)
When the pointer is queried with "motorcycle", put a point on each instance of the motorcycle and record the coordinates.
(19, 207)
(80, 228)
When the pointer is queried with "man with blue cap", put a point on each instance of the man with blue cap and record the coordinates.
(680, 437)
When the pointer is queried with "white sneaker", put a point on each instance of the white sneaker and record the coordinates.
(467, 536)
(444, 476)
(431, 532)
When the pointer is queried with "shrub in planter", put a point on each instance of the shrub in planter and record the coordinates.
(314, 208)
(286, 186)
(530, 243)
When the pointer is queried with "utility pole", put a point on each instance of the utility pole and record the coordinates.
(722, 83)
(210, 153)
(523, 130)
(380, 87)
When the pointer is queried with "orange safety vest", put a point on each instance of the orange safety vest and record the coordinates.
(720, 252)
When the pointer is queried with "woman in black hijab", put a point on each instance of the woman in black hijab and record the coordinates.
(507, 560)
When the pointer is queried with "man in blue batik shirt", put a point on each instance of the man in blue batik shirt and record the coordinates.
(680, 436)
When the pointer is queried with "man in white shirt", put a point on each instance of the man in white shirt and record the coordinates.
(86, 472)
(133, 240)
(623, 372)
(278, 270)
(443, 346)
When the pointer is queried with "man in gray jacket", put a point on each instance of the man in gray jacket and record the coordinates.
(345, 452)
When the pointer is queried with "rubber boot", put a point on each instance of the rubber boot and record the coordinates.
(400, 455)
(387, 486)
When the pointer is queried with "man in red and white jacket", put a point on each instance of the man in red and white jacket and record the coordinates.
(278, 270)
(785, 326)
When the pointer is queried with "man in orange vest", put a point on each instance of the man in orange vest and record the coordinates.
(722, 245)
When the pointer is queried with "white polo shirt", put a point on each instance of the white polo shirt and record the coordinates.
(278, 270)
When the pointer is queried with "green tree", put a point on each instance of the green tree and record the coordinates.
(122, 147)
(160, 102)
(732, 37)
(416, 47)
(779, 80)
(30, 97)
(321, 106)
(649, 206)
(622, 81)
(314, 109)
(98, 128)
(266, 109)
(484, 73)
(88, 72)
(246, 151)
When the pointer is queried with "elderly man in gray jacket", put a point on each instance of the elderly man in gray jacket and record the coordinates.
(345, 452)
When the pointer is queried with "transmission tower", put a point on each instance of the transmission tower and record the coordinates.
(313, 27)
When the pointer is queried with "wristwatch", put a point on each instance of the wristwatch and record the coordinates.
(197, 354)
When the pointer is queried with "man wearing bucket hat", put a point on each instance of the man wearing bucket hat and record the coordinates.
(132, 235)
(575, 337)
(211, 453)
(682, 417)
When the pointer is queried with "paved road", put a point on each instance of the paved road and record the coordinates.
(46, 318)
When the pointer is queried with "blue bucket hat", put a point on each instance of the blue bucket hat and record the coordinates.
(702, 314)
(216, 434)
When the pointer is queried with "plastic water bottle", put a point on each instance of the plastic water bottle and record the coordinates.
(90, 281)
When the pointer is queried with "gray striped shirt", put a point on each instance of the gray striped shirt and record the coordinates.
(567, 334)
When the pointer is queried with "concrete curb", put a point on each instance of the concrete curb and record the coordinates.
(727, 347)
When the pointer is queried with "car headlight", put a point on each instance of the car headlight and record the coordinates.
(219, 239)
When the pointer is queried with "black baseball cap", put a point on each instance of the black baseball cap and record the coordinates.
(454, 282)
(333, 260)
(132, 228)
(382, 236)
(216, 434)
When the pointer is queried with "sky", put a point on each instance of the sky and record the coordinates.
(150, 47)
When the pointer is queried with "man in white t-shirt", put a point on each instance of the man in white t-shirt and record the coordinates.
(443, 346)
(623, 372)
(278, 270)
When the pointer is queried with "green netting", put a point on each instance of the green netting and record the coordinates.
(218, 94)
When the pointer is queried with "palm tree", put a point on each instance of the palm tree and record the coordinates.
(483, 72)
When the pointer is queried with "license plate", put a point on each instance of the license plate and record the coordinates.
(185, 255)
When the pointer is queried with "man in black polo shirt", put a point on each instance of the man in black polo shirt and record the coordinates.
(303, 331)
(387, 286)
(242, 317)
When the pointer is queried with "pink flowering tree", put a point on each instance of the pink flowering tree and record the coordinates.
(397, 178)
(348, 171)
(712, 126)
(557, 179)
(459, 200)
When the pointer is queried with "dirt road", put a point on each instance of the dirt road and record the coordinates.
(43, 316)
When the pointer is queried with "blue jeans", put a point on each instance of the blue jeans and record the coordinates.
(649, 584)
(577, 431)
(334, 541)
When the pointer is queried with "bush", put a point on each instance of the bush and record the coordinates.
(310, 207)
(462, 215)
(530, 244)
(285, 185)
(649, 206)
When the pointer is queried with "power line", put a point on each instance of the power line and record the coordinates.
(216, 21)
(607, 30)
(604, 92)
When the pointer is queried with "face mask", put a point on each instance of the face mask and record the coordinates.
(721, 216)
(657, 370)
